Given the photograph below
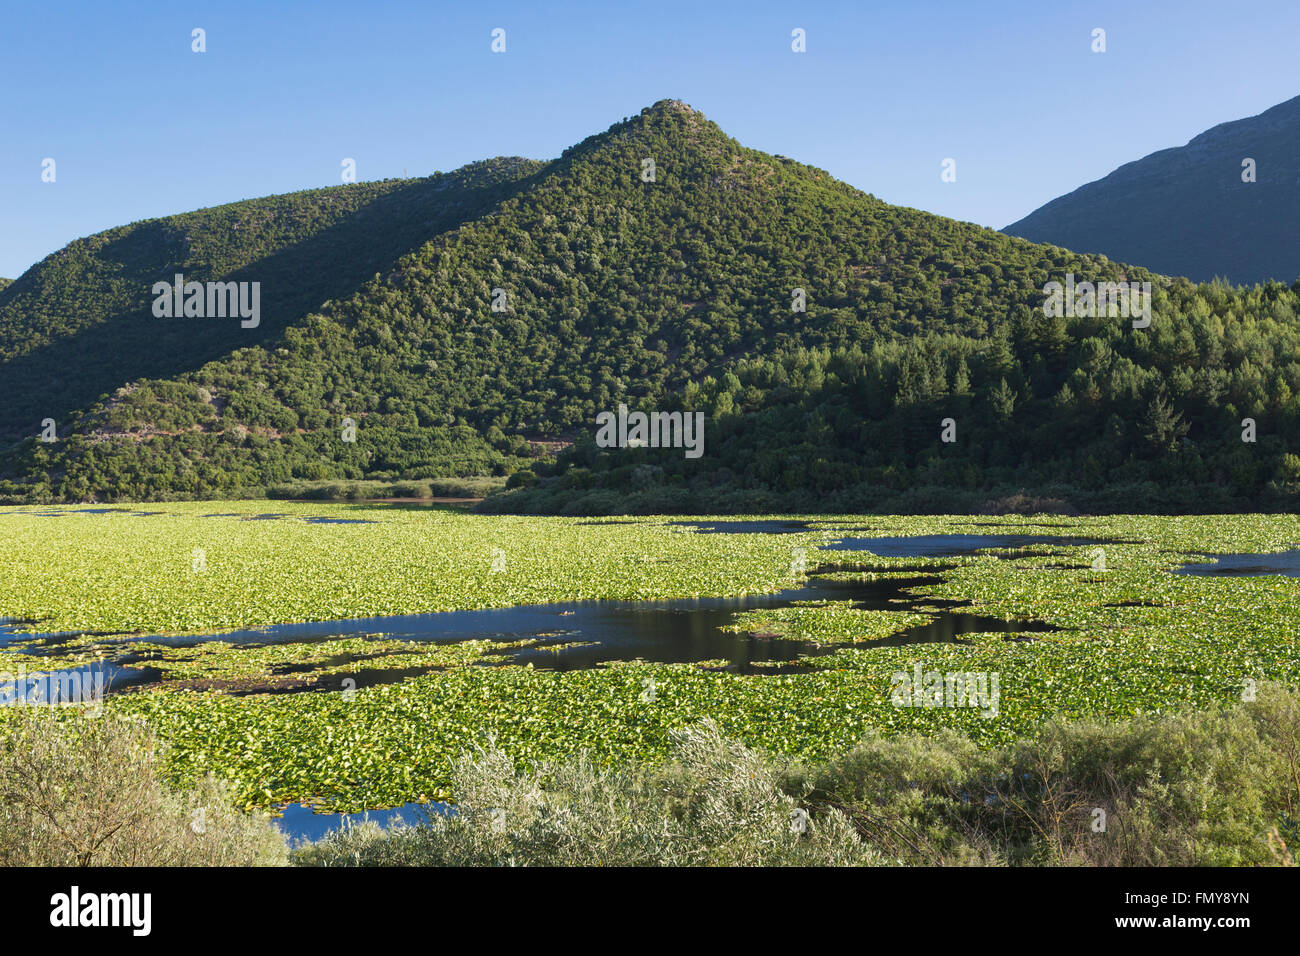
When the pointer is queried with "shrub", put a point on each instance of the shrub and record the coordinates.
(521, 479)
(717, 803)
(86, 791)
(1208, 788)
(1202, 788)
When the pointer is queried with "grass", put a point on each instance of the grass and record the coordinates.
(334, 490)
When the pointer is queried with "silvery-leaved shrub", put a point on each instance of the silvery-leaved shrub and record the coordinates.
(1210, 787)
(81, 790)
(716, 803)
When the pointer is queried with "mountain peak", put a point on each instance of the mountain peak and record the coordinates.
(1283, 116)
(672, 113)
(667, 116)
(470, 319)
(670, 106)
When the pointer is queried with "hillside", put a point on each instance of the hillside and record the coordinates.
(79, 323)
(1186, 211)
(668, 294)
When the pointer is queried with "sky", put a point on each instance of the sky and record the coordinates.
(139, 125)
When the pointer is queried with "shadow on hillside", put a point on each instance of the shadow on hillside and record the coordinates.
(72, 373)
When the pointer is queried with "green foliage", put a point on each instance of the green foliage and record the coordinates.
(718, 804)
(148, 434)
(1214, 788)
(521, 479)
(1133, 639)
(1193, 789)
(669, 295)
(471, 487)
(87, 791)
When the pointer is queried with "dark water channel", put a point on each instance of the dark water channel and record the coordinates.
(578, 635)
(1285, 563)
(956, 545)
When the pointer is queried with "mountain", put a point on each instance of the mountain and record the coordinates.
(5, 282)
(79, 323)
(1187, 211)
(656, 264)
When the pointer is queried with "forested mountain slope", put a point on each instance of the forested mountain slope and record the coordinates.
(79, 323)
(675, 292)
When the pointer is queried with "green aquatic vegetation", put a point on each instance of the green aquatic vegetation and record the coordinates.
(179, 571)
(1133, 638)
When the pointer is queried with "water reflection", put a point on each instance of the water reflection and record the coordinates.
(299, 824)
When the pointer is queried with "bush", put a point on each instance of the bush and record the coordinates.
(1207, 788)
(521, 479)
(718, 803)
(86, 791)
(1210, 788)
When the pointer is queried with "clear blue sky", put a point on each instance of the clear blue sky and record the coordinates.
(140, 126)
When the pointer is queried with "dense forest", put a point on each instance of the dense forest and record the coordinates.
(471, 323)
(79, 324)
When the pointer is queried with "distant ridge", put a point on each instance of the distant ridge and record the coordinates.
(1186, 211)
